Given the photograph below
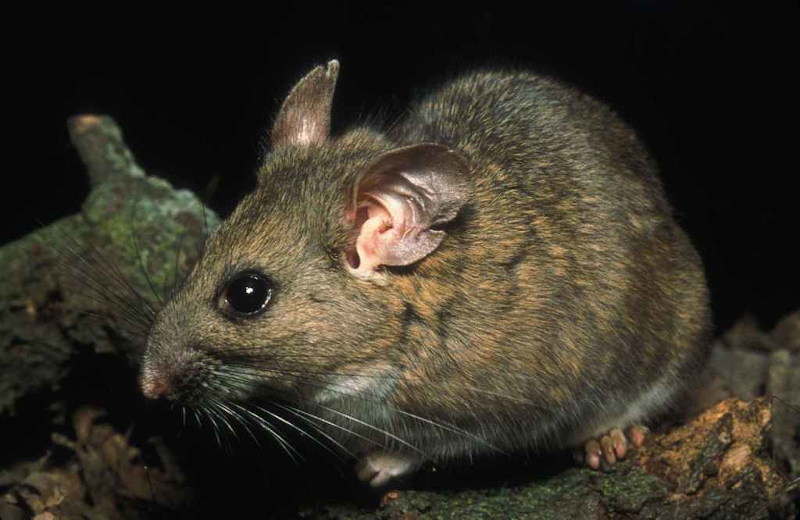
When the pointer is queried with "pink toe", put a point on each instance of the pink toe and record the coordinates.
(608, 449)
(593, 453)
(620, 443)
(637, 435)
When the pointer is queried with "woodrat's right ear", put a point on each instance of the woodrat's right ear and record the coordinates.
(399, 204)
(305, 115)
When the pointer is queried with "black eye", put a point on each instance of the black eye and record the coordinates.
(248, 293)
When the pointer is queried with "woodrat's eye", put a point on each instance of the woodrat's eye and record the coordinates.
(248, 294)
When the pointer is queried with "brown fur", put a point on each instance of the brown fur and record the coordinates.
(562, 293)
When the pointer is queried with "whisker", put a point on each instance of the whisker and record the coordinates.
(288, 448)
(296, 413)
(295, 427)
(121, 304)
(244, 423)
(175, 271)
(371, 427)
(339, 426)
(206, 231)
(315, 417)
(136, 312)
(142, 266)
(438, 424)
(246, 381)
(372, 399)
(221, 410)
(214, 426)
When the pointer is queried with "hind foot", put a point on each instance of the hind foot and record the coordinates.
(610, 447)
(378, 468)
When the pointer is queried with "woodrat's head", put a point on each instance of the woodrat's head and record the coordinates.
(292, 297)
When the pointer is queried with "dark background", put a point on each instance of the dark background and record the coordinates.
(710, 89)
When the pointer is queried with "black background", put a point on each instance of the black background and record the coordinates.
(710, 89)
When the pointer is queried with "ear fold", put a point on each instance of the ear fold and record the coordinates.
(305, 116)
(399, 201)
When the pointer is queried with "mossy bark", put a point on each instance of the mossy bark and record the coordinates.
(64, 286)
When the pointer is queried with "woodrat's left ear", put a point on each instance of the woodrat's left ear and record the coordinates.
(398, 203)
(305, 116)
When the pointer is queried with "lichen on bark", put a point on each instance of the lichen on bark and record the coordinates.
(134, 236)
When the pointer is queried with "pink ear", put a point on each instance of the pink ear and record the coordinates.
(399, 200)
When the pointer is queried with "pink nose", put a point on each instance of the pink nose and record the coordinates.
(154, 389)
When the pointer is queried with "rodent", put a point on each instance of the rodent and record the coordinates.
(499, 271)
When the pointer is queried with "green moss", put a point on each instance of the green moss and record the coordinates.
(152, 226)
(567, 495)
(134, 231)
(629, 492)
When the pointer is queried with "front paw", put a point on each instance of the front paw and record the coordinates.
(379, 467)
